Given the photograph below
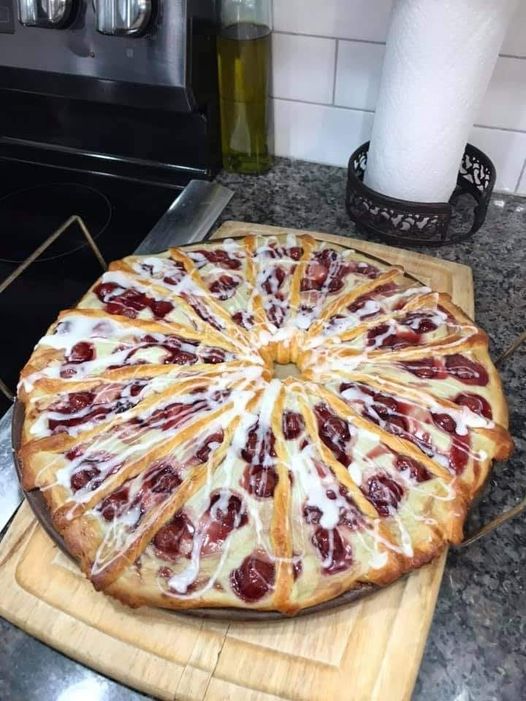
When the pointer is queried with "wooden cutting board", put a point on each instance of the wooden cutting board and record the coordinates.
(368, 651)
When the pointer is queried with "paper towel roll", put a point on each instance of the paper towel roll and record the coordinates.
(439, 57)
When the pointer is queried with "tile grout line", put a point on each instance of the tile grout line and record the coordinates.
(322, 104)
(370, 111)
(374, 42)
(509, 129)
(523, 169)
(366, 110)
(336, 59)
(516, 56)
(327, 36)
(354, 109)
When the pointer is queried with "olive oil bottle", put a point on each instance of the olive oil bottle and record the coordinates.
(244, 46)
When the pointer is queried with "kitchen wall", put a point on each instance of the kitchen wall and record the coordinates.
(327, 61)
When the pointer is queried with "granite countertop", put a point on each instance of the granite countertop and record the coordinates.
(477, 643)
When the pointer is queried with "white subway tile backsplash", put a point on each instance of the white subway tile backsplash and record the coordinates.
(303, 67)
(319, 133)
(346, 19)
(329, 135)
(507, 150)
(331, 53)
(358, 73)
(504, 104)
(515, 41)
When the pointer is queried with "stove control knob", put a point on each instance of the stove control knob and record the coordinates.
(53, 14)
(123, 17)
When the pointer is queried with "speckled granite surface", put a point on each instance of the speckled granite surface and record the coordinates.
(477, 645)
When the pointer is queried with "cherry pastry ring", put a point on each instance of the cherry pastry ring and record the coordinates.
(182, 473)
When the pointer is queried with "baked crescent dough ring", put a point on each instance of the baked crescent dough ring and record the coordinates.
(182, 473)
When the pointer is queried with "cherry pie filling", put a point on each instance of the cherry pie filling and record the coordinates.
(276, 251)
(91, 467)
(157, 484)
(382, 490)
(379, 293)
(175, 351)
(202, 311)
(475, 403)
(181, 537)
(175, 414)
(224, 287)
(88, 473)
(254, 578)
(460, 368)
(335, 432)
(140, 494)
(176, 274)
(243, 319)
(325, 275)
(457, 366)
(276, 305)
(334, 551)
(193, 533)
(384, 493)
(221, 258)
(169, 272)
(260, 477)
(328, 269)
(178, 351)
(409, 422)
(92, 406)
(130, 302)
(410, 330)
(365, 307)
(293, 425)
(174, 540)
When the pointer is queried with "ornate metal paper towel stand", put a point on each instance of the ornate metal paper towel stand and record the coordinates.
(417, 223)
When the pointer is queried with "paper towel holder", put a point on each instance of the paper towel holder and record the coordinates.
(419, 223)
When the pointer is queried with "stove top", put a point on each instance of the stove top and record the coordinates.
(35, 199)
(31, 211)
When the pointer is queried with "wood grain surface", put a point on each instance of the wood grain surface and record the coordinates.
(370, 651)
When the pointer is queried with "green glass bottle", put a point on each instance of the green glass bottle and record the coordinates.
(244, 46)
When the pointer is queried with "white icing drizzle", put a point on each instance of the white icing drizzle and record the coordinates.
(232, 247)
(180, 582)
(167, 273)
(377, 303)
(292, 242)
(122, 530)
(123, 440)
(329, 354)
(115, 345)
(241, 298)
(315, 488)
(420, 423)
(110, 394)
(377, 341)
(267, 275)
(124, 281)
(123, 446)
(76, 328)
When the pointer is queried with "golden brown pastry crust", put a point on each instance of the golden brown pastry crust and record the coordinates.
(181, 475)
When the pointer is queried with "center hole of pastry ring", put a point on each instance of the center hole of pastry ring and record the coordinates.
(284, 370)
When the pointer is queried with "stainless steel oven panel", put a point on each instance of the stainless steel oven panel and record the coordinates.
(44, 13)
(157, 58)
(123, 17)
